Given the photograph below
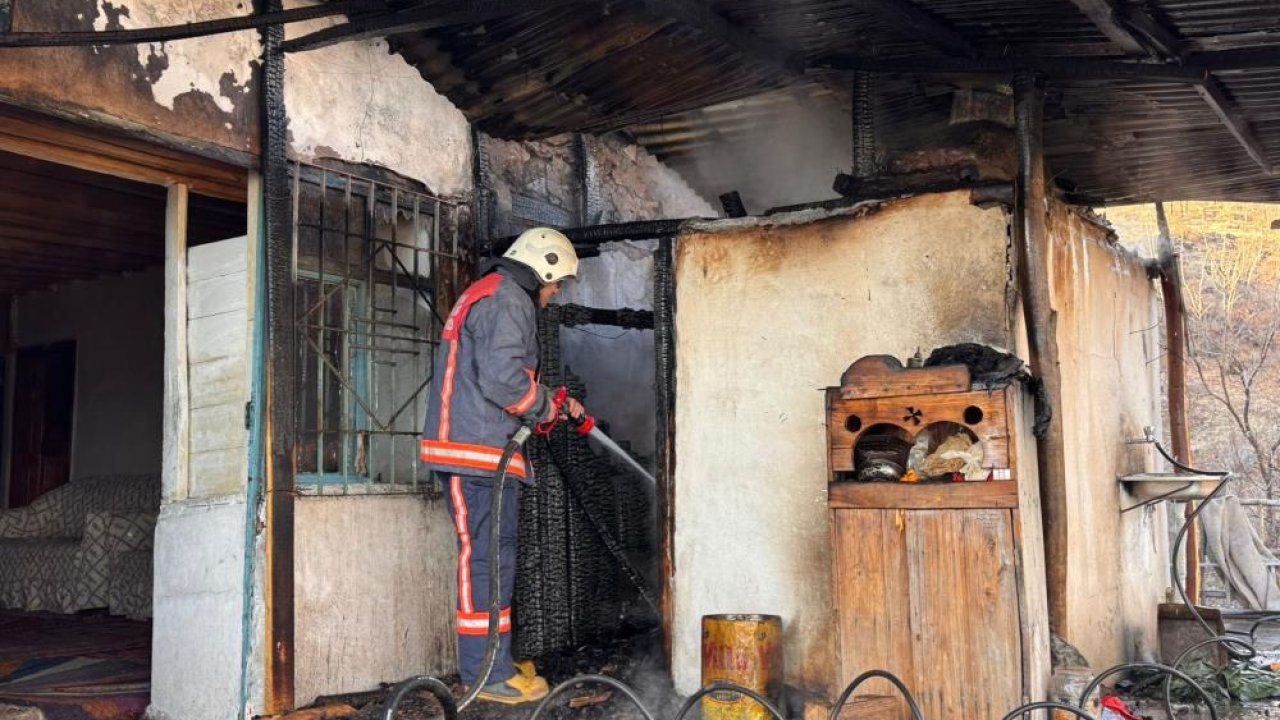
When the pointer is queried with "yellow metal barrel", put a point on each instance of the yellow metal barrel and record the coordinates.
(745, 650)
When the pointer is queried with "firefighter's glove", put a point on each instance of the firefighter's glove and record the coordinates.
(558, 401)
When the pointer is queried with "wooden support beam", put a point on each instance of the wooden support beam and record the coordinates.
(1052, 68)
(1139, 33)
(1110, 17)
(1233, 117)
(1265, 57)
(1176, 374)
(912, 22)
(417, 18)
(53, 140)
(174, 469)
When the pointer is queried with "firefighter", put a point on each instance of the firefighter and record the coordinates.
(485, 386)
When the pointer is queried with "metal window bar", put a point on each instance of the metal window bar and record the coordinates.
(367, 258)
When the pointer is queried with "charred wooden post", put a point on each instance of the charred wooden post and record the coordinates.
(864, 126)
(1176, 367)
(664, 351)
(732, 204)
(281, 411)
(1032, 244)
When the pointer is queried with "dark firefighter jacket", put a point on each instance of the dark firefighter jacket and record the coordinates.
(486, 380)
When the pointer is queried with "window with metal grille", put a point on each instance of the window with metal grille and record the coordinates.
(367, 267)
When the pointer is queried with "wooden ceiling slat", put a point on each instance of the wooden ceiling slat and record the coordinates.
(12, 247)
(57, 141)
(34, 263)
(84, 235)
(76, 210)
(66, 175)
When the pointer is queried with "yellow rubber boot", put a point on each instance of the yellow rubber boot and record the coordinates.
(516, 690)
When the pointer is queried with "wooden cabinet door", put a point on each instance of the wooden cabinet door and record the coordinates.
(931, 596)
(966, 638)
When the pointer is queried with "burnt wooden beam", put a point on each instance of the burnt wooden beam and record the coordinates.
(1140, 33)
(699, 16)
(909, 20)
(1128, 27)
(1254, 58)
(572, 315)
(1054, 68)
(1234, 119)
(417, 18)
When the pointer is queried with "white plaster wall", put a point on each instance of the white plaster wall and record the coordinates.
(765, 319)
(118, 326)
(375, 592)
(1109, 341)
(196, 632)
(358, 102)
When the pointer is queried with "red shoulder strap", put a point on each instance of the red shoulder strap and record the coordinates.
(480, 289)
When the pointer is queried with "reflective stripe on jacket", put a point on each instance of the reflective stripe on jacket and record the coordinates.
(485, 380)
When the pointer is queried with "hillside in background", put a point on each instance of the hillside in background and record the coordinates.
(1230, 256)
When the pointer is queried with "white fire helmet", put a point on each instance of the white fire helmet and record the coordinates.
(548, 252)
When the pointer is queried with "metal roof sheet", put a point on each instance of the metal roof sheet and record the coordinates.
(680, 87)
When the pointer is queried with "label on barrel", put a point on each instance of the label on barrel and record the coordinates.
(744, 651)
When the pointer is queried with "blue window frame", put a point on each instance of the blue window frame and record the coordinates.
(333, 438)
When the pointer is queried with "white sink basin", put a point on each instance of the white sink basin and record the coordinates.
(1177, 487)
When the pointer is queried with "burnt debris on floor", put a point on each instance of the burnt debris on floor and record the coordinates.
(635, 660)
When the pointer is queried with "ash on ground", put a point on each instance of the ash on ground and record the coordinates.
(635, 660)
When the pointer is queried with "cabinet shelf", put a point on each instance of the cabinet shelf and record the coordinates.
(922, 496)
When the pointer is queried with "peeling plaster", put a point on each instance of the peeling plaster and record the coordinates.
(358, 102)
(219, 66)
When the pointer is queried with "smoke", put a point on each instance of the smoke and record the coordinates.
(786, 153)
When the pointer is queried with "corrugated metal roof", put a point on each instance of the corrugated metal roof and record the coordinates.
(679, 87)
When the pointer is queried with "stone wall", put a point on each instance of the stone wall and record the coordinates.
(570, 180)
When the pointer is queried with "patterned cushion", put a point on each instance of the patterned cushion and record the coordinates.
(59, 549)
(106, 536)
(38, 574)
(61, 512)
(129, 585)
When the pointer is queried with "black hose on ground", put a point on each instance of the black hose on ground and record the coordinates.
(1025, 710)
(722, 686)
(1163, 669)
(883, 675)
(495, 596)
(437, 688)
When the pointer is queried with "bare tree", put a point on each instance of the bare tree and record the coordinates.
(1233, 302)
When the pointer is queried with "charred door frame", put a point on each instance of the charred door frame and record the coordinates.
(664, 306)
